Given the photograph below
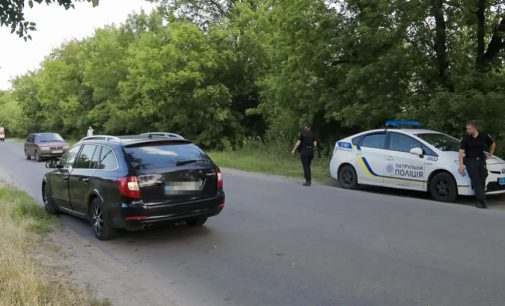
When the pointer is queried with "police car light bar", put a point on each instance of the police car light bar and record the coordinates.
(403, 124)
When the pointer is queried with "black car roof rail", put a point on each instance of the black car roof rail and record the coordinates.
(102, 137)
(162, 134)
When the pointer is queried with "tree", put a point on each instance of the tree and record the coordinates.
(12, 14)
(485, 10)
(222, 71)
(173, 84)
(204, 12)
(11, 116)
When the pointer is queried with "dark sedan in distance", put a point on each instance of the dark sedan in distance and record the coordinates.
(133, 182)
(41, 146)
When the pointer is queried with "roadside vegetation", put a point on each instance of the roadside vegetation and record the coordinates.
(271, 159)
(24, 280)
(221, 72)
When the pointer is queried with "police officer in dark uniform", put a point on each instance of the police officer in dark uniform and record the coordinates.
(473, 154)
(306, 145)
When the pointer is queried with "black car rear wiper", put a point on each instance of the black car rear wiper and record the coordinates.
(189, 161)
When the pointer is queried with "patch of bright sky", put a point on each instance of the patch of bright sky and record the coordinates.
(55, 25)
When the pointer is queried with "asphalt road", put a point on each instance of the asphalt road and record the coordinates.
(278, 243)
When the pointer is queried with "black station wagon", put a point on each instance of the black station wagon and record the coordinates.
(132, 182)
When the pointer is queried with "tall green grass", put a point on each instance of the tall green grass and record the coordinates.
(24, 280)
(276, 159)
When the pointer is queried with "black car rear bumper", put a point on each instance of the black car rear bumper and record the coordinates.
(139, 215)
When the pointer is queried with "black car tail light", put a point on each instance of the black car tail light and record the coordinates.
(220, 181)
(129, 187)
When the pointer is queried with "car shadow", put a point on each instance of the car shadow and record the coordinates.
(167, 233)
(494, 201)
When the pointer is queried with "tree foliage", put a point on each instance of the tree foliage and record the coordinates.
(226, 70)
(12, 13)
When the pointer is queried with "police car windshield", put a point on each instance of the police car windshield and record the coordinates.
(441, 141)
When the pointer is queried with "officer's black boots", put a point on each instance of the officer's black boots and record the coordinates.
(482, 204)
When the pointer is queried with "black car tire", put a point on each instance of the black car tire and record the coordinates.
(197, 221)
(49, 205)
(443, 188)
(347, 177)
(101, 221)
(37, 156)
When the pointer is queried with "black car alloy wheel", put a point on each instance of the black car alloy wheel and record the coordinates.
(49, 204)
(97, 220)
(100, 221)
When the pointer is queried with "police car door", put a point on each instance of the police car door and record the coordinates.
(371, 157)
(405, 168)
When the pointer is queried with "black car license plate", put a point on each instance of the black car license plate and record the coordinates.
(178, 187)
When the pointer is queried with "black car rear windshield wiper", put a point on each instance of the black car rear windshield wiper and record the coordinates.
(189, 161)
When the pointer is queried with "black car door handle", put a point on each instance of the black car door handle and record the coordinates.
(66, 178)
(85, 179)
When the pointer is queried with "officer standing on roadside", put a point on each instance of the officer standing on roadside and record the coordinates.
(472, 157)
(306, 145)
(90, 131)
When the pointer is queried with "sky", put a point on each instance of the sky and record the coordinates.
(55, 25)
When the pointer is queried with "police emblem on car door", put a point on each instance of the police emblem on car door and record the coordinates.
(406, 162)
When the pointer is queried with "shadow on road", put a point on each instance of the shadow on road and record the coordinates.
(494, 201)
(169, 233)
(163, 234)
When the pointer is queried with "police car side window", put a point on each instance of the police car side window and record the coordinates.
(357, 140)
(375, 141)
(403, 143)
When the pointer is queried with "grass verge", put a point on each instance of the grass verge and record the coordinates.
(24, 280)
(271, 160)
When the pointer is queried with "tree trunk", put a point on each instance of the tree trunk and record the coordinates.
(494, 47)
(442, 59)
(481, 31)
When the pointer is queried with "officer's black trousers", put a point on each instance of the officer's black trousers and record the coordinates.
(476, 168)
(306, 161)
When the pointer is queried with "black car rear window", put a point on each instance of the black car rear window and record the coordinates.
(163, 156)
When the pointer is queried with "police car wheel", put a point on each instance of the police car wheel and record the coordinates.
(443, 188)
(347, 177)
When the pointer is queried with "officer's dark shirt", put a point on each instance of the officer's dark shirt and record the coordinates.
(306, 142)
(476, 146)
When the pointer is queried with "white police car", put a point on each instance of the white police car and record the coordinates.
(408, 158)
